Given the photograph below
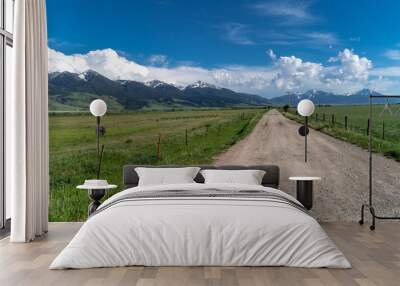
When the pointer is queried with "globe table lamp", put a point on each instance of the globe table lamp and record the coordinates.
(305, 108)
(98, 108)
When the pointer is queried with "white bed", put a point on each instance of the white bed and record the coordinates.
(202, 231)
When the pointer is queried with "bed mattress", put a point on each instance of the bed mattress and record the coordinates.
(201, 225)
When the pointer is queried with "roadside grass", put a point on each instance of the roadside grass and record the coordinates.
(131, 138)
(356, 132)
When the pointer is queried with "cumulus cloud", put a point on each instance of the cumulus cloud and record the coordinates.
(346, 72)
(349, 72)
(59, 62)
(352, 66)
(244, 78)
(293, 73)
(106, 62)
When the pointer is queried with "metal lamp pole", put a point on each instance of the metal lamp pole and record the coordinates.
(305, 138)
(98, 137)
(305, 108)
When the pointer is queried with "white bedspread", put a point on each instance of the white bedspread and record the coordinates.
(200, 231)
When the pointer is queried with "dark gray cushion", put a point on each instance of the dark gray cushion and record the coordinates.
(270, 179)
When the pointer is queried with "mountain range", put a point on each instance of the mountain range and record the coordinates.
(72, 91)
(322, 97)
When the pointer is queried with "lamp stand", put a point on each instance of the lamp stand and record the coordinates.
(98, 135)
(305, 138)
(98, 144)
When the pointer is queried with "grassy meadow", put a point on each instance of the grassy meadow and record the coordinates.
(131, 138)
(385, 126)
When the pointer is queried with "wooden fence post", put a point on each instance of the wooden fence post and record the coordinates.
(368, 127)
(158, 146)
(383, 130)
(186, 137)
(333, 119)
(345, 122)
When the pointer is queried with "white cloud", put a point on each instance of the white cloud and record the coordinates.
(294, 73)
(352, 66)
(321, 38)
(106, 62)
(238, 78)
(346, 72)
(355, 39)
(158, 60)
(271, 54)
(393, 54)
(291, 11)
(391, 71)
(244, 78)
(114, 66)
(62, 44)
(286, 25)
(60, 62)
(283, 8)
(387, 86)
(237, 33)
(314, 40)
(349, 73)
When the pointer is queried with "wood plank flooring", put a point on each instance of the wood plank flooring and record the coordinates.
(375, 257)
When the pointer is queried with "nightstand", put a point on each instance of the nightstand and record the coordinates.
(304, 190)
(96, 190)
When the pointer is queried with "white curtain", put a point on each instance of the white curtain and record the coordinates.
(27, 124)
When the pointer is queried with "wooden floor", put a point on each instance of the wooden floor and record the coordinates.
(375, 257)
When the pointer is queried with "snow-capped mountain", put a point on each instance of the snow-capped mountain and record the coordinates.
(201, 84)
(74, 90)
(156, 83)
(322, 97)
(88, 75)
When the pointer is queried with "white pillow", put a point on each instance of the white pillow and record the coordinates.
(248, 177)
(166, 176)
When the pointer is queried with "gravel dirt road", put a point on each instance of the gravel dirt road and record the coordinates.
(342, 166)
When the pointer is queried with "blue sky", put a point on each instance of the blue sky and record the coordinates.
(264, 47)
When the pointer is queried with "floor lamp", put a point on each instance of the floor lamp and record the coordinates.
(98, 108)
(305, 108)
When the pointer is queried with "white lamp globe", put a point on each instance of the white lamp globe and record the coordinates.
(305, 107)
(98, 107)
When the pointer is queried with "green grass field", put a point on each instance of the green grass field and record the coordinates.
(385, 126)
(132, 138)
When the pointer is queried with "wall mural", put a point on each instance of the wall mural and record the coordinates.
(205, 90)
